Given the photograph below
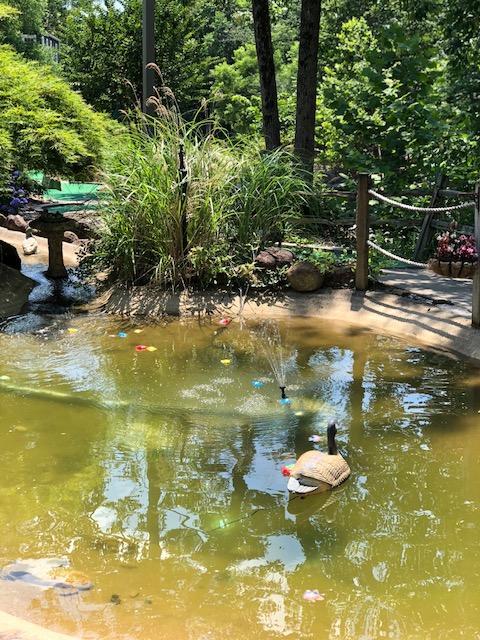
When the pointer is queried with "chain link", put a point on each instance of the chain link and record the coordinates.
(409, 207)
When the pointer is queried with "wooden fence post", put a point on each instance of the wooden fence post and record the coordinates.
(476, 275)
(362, 230)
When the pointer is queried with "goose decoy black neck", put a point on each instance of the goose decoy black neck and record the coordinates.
(331, 433)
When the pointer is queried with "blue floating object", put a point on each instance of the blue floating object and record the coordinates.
(257, 384)
(285, 401)
(122, 334)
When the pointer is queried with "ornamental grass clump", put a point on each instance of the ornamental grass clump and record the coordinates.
(178, 228)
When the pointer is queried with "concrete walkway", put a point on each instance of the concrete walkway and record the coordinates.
(453, 292)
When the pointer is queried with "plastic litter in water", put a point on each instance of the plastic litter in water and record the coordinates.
(224, 321)
(141, 347)
(314, 438)
(285, 401)
(226, 361)
(313, 595)
(299, 413)
(137, 330)
(286, 469)
(71, 330)
(152, 349)
(122, 334)
(257, 384)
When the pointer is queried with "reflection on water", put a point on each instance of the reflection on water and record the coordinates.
(157, 474)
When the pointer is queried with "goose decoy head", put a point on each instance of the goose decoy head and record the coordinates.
(331, 433)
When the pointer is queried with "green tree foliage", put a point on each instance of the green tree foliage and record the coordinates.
(102, 51)
(43, 123)
(397, 91)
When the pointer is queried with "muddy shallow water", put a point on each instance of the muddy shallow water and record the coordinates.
(157, 474)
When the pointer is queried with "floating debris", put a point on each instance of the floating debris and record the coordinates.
(141, 347)
(122, 334)
(286, 469)
(224, 322)
(152, 349)
(47, 573)
(5, 378)
(226, 361)
(313, 595)
(285, 401)
(257, 384)
(137, 330)
(115, 599)
(72, 330)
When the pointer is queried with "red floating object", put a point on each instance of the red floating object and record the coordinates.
(285, 471)
(140, 347)
(225, 322)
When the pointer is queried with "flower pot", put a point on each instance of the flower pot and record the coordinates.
(452, 269)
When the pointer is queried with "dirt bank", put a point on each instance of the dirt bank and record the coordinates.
(438, 326)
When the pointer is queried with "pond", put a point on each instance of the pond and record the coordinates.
(157, 474)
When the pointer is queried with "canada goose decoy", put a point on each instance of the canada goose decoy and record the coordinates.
(318, 471)
(29, 245)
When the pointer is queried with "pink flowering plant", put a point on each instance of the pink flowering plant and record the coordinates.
(452, 247)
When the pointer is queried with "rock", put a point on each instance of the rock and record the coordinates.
(304, 276)
(340, 277)
(14, 291)
(70, 236)
(274, 257)
(9, 256)
(16, 223)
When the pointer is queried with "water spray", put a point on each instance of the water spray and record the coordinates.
(278, 357)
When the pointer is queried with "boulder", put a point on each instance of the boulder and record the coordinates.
(70, 236)
(9, 256)
(304, 276)
(340, 277)
(274, 257)
(14, 291)
(16, 223)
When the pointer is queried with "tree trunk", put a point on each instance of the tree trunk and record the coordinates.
(307, 81)
(266, 69)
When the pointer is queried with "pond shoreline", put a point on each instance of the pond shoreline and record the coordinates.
(441, 327)
(424, 321)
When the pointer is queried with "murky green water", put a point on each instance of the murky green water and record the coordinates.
(157, 473)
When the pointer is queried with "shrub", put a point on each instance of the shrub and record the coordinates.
(234, 199)
(44, 124)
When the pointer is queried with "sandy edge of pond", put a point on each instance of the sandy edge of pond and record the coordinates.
(12, 628)
(422, 322)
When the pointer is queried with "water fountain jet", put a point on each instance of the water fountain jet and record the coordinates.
(277, 357)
